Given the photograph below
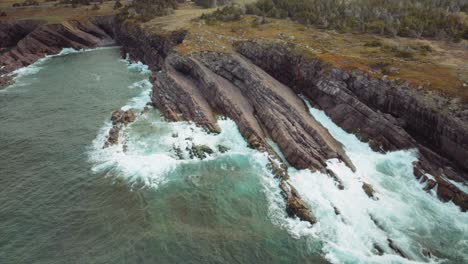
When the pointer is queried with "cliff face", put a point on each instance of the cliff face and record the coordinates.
(28, 41)
(149, 48)
(12, 32)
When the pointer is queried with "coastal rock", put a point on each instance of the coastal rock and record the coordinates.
(369, 190)
(120, 119)
(31, 40)
(11, 32)
(200, 151)
(388, 115)
(295, 205)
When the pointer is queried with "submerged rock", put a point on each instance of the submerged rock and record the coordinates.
(395, 248)
(122, 117)
(223, 149)
(200, 151)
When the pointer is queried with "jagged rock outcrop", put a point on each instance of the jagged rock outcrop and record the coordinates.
(196, 88)
(35, 39)
(120, 119)
(259, 91)
(388, 115)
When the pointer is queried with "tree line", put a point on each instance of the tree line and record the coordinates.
(407, 18)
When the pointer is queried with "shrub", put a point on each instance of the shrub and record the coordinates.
(373, 43)
(212, 3)
(145, 10)
(117, 5)
(227, 13)
(409, 18)
(404, 52)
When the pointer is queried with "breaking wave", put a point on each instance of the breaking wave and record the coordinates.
(358, 229)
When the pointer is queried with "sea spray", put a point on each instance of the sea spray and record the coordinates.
(147, 157)
(414, 220)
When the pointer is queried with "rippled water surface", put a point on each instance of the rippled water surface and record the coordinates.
(65, 199)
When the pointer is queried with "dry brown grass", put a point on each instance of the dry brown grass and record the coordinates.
(46, 11)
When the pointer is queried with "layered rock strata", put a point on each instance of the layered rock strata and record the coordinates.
(387, 114)
(24, 42)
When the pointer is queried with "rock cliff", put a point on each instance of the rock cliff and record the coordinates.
(387, 114)
(25, 42)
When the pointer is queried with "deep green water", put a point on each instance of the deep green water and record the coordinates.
(55, 208)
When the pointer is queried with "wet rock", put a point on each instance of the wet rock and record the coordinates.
(336, 210)
(338, 181)
(379, 250)
(426, 253)
(369, 190)
(121, 117)
(430, 185)
(295, 206)
(200, 151)
(223, 149)
(179, 153)
(119, 120)
(395, 248)
(113, 137)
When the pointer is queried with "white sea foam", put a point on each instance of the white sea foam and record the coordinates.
(137, 66)
(68, 51)
(414, 220)
(403, 212)
(150, 157)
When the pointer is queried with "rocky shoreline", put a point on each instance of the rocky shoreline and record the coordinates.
(260, 85)
(25, 42)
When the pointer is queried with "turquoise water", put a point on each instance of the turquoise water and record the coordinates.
(58, 204)
(66, 199)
